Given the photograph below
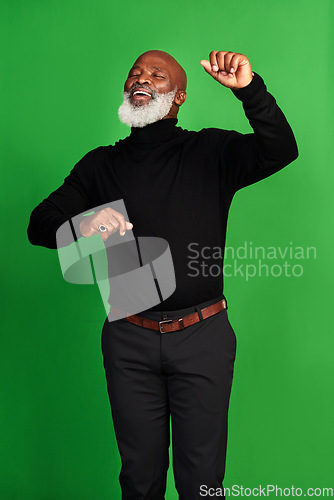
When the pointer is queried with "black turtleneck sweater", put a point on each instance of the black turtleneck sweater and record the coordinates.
(176, 184)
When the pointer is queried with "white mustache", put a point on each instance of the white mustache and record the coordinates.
(151, 92)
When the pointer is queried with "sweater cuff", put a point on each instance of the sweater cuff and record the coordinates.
(252, 88)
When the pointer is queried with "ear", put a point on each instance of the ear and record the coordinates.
(180, 97)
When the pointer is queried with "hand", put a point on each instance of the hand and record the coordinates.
(111, 220)
(231, 69)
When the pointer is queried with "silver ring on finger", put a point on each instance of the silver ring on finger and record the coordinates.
(102, 228)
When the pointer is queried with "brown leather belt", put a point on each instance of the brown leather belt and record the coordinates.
(174, 325)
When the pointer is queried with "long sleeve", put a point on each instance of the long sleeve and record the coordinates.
(70, 199)
(248, 158)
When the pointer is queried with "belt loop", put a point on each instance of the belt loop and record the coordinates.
(198, 309)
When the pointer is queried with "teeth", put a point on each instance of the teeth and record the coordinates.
(141, 92)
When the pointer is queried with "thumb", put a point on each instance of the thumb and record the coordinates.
(129, 225)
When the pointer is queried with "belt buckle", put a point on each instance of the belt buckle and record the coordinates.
(180, 321)
(164, 321)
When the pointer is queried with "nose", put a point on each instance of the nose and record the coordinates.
(143, 78)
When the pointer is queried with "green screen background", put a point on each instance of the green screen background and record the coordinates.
(64, 67)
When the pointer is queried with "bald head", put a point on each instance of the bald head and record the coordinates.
(162, 78)
(177, 73)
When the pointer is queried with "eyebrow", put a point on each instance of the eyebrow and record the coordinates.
(154, 67)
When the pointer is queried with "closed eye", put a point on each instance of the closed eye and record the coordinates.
(158, 76)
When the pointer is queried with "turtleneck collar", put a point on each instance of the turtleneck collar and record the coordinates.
(159, 131)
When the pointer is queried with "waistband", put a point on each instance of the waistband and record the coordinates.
(177, 313)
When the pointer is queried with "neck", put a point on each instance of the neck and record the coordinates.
(159, 131)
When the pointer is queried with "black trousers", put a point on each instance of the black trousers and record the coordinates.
(186, 376)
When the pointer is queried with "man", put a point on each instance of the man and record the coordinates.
(175, 359)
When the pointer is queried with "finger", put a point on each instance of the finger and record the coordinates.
(110, 229)
(112, 224)
(213, 60)
(221, 60)
(104, 235)
(234, 63)
(227, 61)
(224, 58)
(95, 229)
(121, 220)
(116, 219)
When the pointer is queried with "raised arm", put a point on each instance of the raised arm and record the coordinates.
(248, 158)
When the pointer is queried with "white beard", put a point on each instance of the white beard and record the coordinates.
(142, 114)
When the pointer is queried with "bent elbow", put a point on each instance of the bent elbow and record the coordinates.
(31, 232)
(294, 149)
(38, 237)
(293, 154)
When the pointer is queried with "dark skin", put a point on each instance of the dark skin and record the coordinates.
(158, 71)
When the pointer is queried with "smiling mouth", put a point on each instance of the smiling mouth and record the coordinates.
(140, 95)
